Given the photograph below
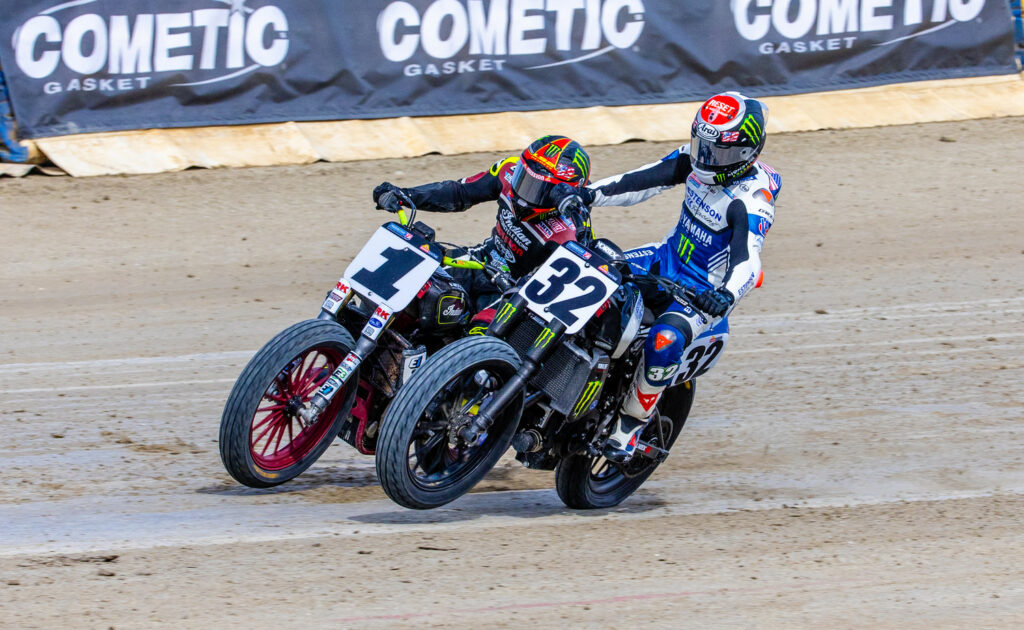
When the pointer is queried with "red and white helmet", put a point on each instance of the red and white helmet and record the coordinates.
(727, 136)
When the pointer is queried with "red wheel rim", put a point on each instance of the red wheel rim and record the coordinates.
(277, 438)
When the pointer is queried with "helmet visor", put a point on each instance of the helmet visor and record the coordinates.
(532, 187)
(710, 156)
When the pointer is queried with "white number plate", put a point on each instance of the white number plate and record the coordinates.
(391, 269)
(568, 287)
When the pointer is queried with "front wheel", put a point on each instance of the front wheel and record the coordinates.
(422, 463)
(262, 441)
(585, 482)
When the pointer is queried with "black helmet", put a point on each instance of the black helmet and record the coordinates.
(549, 161)
(727, 136)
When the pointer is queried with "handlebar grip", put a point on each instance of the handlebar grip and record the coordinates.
(574, 204)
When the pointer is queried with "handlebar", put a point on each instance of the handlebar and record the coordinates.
(463, 264)
(685, 292)
(496, 275)
(404, 219)
(573, 203)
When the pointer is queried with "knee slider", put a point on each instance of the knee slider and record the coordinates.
(667, 340)
(678, 323)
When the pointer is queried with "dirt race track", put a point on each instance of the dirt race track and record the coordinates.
(855, 460)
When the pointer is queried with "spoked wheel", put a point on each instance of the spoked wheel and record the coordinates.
(422, 462)
(263, 442)
(588, 482)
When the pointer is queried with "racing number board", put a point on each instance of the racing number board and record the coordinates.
(568, 287)
(392, 267)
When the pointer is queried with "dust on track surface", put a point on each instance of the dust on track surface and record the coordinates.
(854, 460)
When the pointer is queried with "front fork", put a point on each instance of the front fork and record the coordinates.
(336, 381)
(509, 315)
(367, 342)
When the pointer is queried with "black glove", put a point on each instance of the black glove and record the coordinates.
(389, 197)
(714, 302)
(565, 196)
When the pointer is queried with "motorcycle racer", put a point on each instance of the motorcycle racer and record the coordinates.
(527, 220)
(728, 208)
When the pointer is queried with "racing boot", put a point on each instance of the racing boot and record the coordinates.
(638, 406)
(621, 444)
(634, 414)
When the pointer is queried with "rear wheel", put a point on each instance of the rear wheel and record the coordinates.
(586, 482)
(422, 462)
(262, 441)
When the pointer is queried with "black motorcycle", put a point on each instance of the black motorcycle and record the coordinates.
(547, 377)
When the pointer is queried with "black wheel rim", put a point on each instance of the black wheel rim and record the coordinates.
(433, 464)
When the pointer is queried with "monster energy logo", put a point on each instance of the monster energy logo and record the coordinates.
(686, 246)
(582, 161)
(752, 128)
(588, 395)
(552, 150)
(506, 312)
(544, 338)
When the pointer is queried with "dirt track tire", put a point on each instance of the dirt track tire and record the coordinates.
(399, 425)
(237, 449)
(578, 488)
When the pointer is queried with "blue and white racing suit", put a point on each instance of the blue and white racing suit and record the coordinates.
(715, 245)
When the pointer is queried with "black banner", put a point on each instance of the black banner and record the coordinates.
(99, 65)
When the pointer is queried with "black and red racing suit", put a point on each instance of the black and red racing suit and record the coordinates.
(521, 246)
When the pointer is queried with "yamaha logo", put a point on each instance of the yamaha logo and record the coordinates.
(465, 36)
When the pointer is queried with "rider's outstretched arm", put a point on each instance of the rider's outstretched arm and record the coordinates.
(457, 196)
(641, 184)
